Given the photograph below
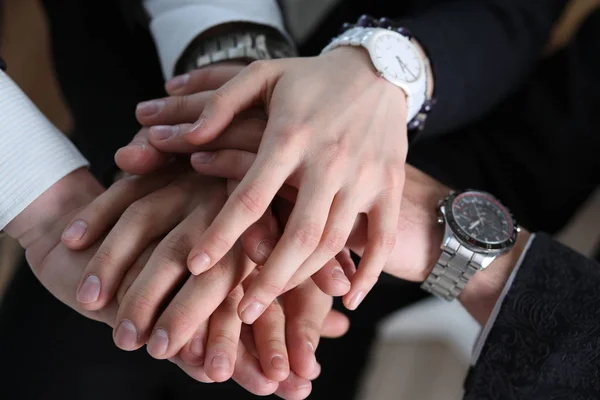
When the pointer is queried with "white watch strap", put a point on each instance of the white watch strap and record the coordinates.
(358, 37)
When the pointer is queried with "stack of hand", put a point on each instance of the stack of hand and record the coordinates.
(276, 194)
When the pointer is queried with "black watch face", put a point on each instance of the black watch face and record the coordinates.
(481, 220)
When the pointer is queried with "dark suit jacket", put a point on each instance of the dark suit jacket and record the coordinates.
(545, 343)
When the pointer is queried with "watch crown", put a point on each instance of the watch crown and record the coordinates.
(440, 220)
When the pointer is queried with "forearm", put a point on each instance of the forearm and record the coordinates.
(480, 52)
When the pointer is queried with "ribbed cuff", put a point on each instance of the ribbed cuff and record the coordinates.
(34, 155)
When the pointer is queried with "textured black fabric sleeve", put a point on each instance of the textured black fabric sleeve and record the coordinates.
(480, 50)
(545, 343)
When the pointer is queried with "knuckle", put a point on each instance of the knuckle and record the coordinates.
(233, 299)
(291, 132)
(175, 248)
(334, 240)
(180, 316)
(181, 103)
(335, 152)
(308, 235)
(307, 327)
(218, 100)
(138, 303)
(271, 288)
(385, 241)
(224, 337)
(252, 200)
(102, 257)
(219, 243)
(370, 278)
(394, 176)
(258, 67)
(139, 211)
(274, 312)
(276, 344)
(365, 173)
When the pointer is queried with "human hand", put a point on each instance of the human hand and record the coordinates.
(187, 96)
(419, 235)
(245, 134)
(148, 217)
(38, 228)
(371, 147)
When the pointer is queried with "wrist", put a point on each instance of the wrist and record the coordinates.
(40, 217)
(485, 287)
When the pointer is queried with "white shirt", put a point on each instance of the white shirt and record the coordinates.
(176, 23)
(34, 155)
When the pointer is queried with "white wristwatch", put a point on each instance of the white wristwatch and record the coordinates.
(395, 58)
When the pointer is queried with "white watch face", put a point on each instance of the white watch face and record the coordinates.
(396, 58)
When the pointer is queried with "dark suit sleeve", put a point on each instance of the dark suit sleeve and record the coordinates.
(545, 343)
(480, 51)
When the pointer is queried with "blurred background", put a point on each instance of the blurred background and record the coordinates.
(415, 358)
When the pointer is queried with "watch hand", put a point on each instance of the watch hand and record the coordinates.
(477, 212)
(405, 68)
(474, 224)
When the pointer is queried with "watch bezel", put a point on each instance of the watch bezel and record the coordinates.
(465, 238)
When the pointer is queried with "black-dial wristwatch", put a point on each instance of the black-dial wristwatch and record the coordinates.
(478, 228)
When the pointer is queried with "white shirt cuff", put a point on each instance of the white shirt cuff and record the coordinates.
(34, 155)
(176, 23)
(492, 319)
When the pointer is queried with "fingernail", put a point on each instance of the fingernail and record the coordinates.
(338, 274)
(252, 312)
(162, 132)
(203, 157)
(126, 337)
(199, 263)
(177, 82)
(358, 297)
(75, 231)
(89, 290)
(220, 362)
(265, 248)
(150, 108)
(198, 124)
(197, 346)
(278, 362)
(158, 343)
(314, 356)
